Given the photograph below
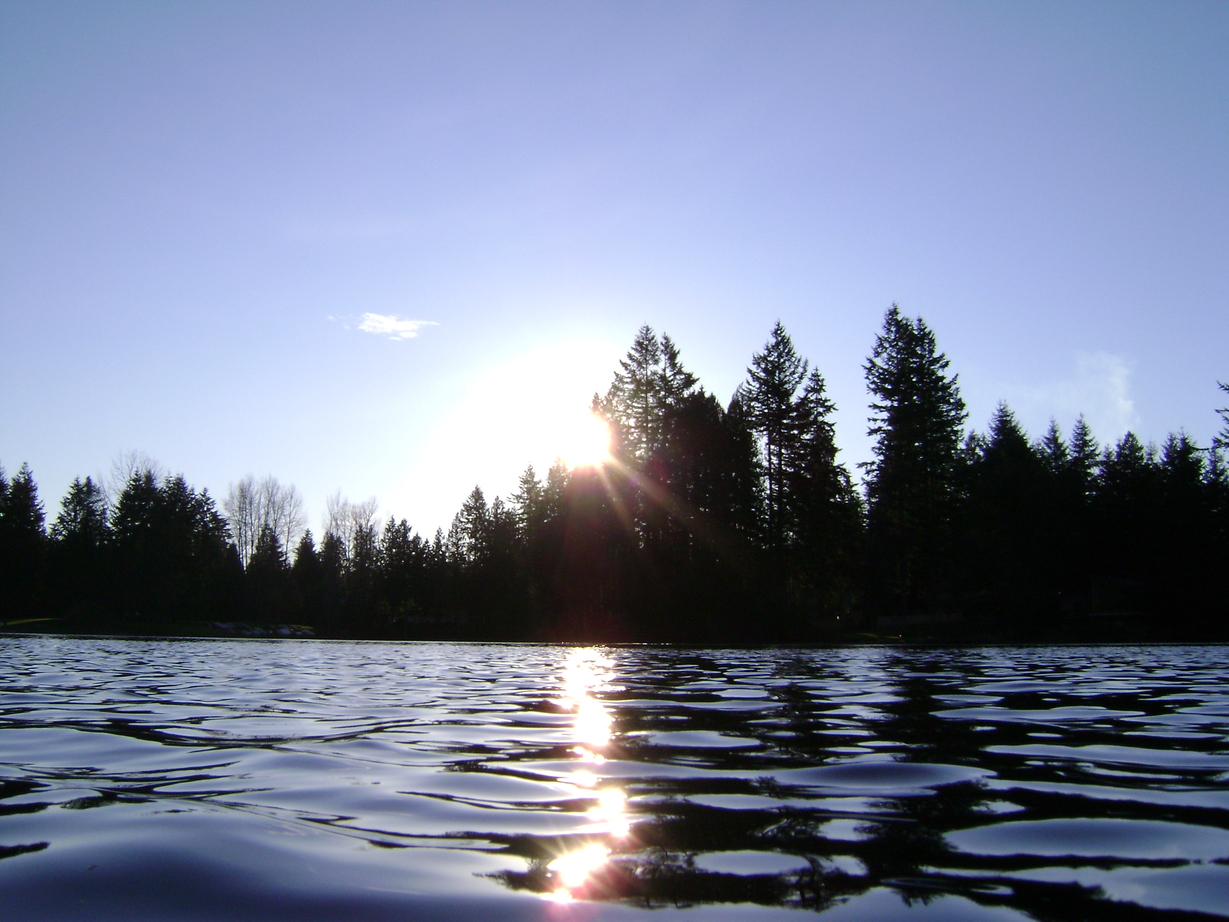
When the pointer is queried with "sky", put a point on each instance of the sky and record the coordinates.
(389, 249)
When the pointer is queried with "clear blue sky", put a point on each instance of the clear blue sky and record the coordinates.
(200, 202)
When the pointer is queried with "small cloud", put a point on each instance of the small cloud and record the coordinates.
(392, 326)
(1103, 380)
(1100, 389)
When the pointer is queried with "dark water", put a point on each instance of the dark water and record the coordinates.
(315, 780)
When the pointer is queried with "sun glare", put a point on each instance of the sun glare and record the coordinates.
(585, 441)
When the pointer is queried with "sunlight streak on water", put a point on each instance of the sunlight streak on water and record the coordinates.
(585, 672)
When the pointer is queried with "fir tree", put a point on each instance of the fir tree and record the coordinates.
(79, 550)
(916, 420)
(825, 508)
(779, 417)
(83, 515)
(468, 536)
(634, 399)
(1003, 536)
(22, 544)
(270, 589)
(1221, 441)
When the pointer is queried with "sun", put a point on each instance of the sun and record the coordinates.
(585, 441)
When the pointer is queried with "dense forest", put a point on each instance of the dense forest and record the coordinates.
(711, 523)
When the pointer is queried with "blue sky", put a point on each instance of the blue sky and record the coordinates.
(202, 205)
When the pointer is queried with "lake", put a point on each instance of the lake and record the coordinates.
(305, 780)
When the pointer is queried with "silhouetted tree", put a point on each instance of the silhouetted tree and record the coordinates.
(696, 567)
(826, 512)
(173, 552)
(22, 544)
(80, 537)
(401, 578)
(271, 594)
(361, 576)
(307, 574)
(780, 418)
(1221, 441)
(916, 420)
(593, 566)
(467, 538)
(330, 600)
(1004, 529)
(634, 400)
(1189, 546)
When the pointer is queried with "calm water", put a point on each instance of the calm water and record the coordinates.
(318, 780)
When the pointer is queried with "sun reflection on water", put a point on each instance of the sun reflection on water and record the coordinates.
(585, 672)
(610, 812)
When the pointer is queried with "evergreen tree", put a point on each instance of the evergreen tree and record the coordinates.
(916, 420)
(83, 514)
(1085, 455)
(536, 510)
(1004, 530)
(270, 588)
(743, 471)
(307, 574)
(361, 577)
(677, 383)
(22, 511)
(22, 545)
(651, 380)
(401, 580)
(173, 551)
(529, 507)
(1123, 511)
(1221, 441)
(769, 395)
(1188, 542)
(468, 535)
(330, 602)
(634, 399)
(825, 509)
(80, 536)
(1062, 510)
(1053, 450)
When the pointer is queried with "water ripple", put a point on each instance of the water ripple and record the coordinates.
(302, 779)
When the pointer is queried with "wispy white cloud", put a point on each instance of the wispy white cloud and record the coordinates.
(391, 325)
(1102, 383)
(1099, 388)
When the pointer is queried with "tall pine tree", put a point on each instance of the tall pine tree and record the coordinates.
(22, 545)
(770, 396)
(917, 418)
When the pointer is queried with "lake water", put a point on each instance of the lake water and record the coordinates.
(201, 780)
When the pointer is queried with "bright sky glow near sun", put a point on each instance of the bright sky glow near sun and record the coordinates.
(394, 249)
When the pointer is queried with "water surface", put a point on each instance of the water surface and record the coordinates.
(201, 780)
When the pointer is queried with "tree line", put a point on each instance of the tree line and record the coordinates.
(711, 522)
